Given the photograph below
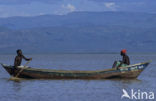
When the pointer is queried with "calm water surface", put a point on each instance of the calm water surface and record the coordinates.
(75, 90)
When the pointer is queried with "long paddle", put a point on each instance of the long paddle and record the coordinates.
(16, 77)
(22, 69)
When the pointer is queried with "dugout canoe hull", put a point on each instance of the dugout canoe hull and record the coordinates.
(131, 71)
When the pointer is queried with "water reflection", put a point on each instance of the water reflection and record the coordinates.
(16, 86)
(126, 83)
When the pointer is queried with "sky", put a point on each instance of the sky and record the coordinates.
(9, 8)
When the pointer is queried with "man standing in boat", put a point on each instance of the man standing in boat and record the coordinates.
(18, 59)
(125, 60)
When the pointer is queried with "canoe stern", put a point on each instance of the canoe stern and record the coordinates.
(7, 68)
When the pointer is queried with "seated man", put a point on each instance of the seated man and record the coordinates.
(18, 60)
(125, 60)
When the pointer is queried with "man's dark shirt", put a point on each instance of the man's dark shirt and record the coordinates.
(18, 60)
(126, 60)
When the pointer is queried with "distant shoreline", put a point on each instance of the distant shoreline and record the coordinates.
(132, 53)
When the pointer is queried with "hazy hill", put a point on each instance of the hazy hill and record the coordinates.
(79, 19)
(79, 32)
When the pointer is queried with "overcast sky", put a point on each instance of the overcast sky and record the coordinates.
(10, 8)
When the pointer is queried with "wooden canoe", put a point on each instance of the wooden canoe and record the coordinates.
(131, 71)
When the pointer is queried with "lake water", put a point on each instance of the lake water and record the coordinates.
(76, 90)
